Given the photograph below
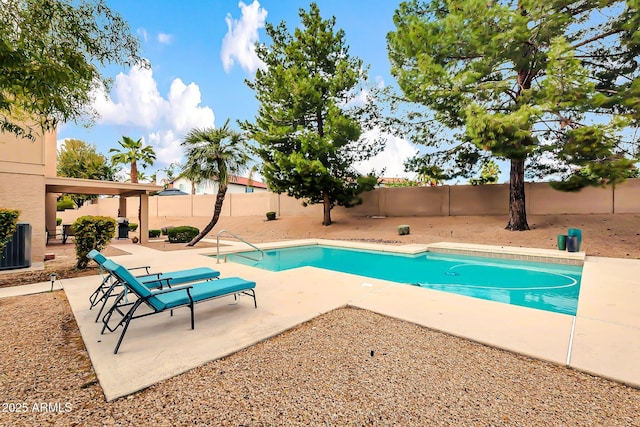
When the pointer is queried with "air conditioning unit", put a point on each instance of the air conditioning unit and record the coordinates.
(17, 252)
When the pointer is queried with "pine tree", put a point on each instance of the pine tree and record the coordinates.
(308, 139)
(552, 85)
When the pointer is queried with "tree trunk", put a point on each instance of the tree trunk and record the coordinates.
(222, 191)
(134, 172)
(517, 207)
(326, 203)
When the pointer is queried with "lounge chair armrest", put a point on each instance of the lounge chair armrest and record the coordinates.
(158, 280)
(166, 291)
(146, 267)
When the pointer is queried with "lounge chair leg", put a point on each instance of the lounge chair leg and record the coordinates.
(124, 331)
(109, 313)
(193, 323)
(126, 320)
(94, 299)
(116, 307)
(105, 297)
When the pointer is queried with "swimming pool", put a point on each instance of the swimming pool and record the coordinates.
(543, 286)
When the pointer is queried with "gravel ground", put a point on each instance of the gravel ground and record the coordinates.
(347, 367)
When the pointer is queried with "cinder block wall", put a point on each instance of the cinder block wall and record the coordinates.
(413, 201)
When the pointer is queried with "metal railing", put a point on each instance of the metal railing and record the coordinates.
(261, 252)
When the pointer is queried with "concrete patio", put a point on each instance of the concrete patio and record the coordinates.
(603, 338)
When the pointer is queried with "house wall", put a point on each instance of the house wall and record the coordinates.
(22, 186)
(211, 187)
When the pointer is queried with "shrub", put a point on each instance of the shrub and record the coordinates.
(92, 232)
(154, 233)
(182, 234)
(133, 226)
(8, 222)
(271, 216)
(403, 229)
(65, 202)
(166, 229)
(58, 221)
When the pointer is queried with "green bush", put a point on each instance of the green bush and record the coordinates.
(92, 232)
(403, 230)
(271, 216)
(154, 233)
(133, 226)
(58, 221)
(165, 230)
(182, 234)
(8, 221)
(65, 202)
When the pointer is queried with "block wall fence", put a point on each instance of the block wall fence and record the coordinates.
(444, 200)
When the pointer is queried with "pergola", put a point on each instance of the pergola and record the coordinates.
(56, 185)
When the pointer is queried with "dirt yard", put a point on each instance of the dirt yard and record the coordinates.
(603, 235)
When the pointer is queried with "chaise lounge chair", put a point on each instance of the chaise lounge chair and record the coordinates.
(167, 299)
(152, 280)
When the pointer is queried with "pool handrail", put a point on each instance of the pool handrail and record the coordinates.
(238, 254)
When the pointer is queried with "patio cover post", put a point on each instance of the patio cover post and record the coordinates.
(50, 206)
(122, 206)
(144, 218)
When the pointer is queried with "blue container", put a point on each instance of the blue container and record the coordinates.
(577, 233)
(562, 242)
(572, 244)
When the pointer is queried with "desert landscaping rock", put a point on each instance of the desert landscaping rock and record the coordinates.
(346, 367)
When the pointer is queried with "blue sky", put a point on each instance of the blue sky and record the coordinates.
(201, 53)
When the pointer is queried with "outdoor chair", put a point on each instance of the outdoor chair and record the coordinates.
(52, 234)
(167, 299)
(67, 231)
(152, 280)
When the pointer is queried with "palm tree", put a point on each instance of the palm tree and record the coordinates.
(142, 177)
(133, 152)
(214, 154)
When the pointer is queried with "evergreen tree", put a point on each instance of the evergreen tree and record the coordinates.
(308, 139)
(553, 85)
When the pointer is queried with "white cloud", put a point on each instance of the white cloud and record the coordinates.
(143, 34)
(391, 159)
(166, 144)
(60, 143)
(165, 38)
(136, 105)
(239, 42)
(134, 101)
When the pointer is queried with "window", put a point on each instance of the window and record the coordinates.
(248, 189)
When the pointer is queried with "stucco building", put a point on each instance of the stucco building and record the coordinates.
(28, 182)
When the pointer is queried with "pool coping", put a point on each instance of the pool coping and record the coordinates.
(502, 252)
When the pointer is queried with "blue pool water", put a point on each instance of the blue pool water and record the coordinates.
(551, 287)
